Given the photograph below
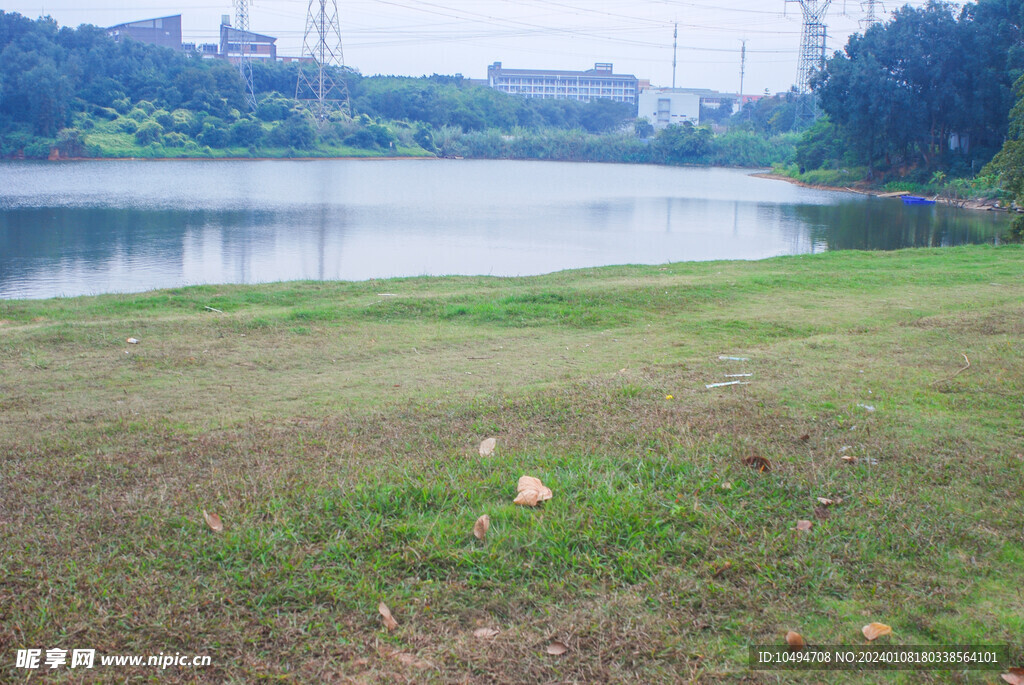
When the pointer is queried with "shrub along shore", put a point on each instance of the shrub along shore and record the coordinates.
(334, 429)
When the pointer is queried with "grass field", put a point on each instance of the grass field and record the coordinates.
(334, 429)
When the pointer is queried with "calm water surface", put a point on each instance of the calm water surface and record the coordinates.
(124, 226)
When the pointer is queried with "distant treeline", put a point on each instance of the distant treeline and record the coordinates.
(82, 94)
(924, 97)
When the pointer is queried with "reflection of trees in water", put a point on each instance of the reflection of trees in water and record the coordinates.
(59, 232)
(885, 224)
(41, 239)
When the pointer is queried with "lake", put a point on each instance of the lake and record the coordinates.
(80, 228)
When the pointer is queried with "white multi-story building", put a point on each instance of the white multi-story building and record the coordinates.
(592, 84)
(666, 106)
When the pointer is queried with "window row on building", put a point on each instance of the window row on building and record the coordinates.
(599, 82)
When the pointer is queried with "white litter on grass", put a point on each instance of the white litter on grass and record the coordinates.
(722, 385)
(724, 358)
(132, 341)
(866, 407)
(738, 375)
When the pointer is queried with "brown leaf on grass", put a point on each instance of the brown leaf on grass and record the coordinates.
(557, 648)
(876, 630)
(481, 526)
(389, 621)
(1014, 677)
(805, 437)
(849, 459)
(527, 498)
(803, 524)
(759, 463)
(487, 447)
(825, 501)
(795, 641)
(213, 521)
(722, 569)
(412, 660)
(531, 492)
(485, 633)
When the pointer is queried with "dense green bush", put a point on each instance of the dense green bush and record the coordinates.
(149, 132)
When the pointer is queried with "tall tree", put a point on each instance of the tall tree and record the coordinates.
(900, 90)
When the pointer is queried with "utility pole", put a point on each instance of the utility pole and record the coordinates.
(743, 68)
(743, 72)
(244, 48)
(322, 42)
(675, 44)
(812, 55)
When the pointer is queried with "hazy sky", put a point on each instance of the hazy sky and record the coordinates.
(416, 37)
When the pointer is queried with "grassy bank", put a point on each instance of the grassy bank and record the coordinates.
(334, 428)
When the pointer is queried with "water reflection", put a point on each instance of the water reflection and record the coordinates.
(80, 229)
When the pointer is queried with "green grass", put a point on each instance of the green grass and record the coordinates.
(334, 428)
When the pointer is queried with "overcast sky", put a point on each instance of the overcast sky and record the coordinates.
(416, 37)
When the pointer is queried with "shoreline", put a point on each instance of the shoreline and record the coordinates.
(976, 205)
(222, 159)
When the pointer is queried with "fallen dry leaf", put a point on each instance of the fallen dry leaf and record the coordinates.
(727, 485)
(759, 463)
(825, 501)
(722, 569)
(481, 526)
(407, 659)
(849, 459)
(795, 641)
(487, 447)
(805, 437)
(527, 498)
(389, 621)
(485, 633)
(213, 521)
(531, 492)
(803, 524)
(1014, 677)
(875, 630)
(557, 648)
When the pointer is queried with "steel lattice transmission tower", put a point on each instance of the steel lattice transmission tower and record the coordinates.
(322, 42)
(812, 41)
(812, 57)
(870, 14)
(245, 50)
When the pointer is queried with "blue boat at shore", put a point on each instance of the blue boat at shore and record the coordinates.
(915, 200)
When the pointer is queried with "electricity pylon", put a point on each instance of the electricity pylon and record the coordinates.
(870, 14)
(245, 50)
(322, 42)
(812, 56)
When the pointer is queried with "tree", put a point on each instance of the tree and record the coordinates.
(681, 144)
(900, 90)
(643, 128)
